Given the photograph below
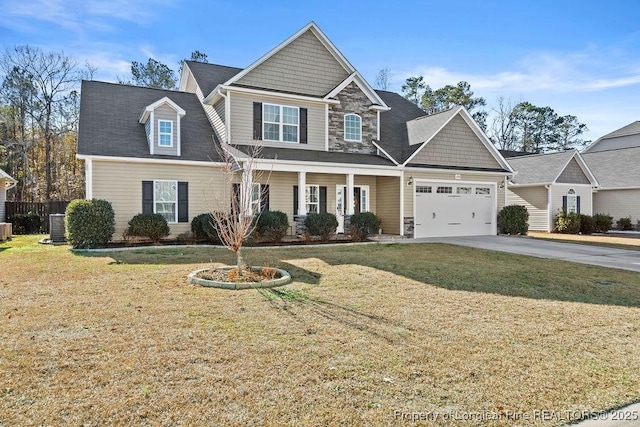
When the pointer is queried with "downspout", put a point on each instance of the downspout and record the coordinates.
(549, 226)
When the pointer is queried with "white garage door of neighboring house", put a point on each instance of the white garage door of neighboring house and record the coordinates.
(454, 209)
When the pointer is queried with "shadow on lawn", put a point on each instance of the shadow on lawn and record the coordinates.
(377, 326)
(436, 264)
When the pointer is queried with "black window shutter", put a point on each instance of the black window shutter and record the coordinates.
(303, 126)
(147, 197)
(295, 200)
(257, 120)
(183, 202)
(578, 205)
(323, 199)
(264, 197)
(564, 204)
(235, 202)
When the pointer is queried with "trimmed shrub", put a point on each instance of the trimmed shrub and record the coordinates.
(363, 224)
(624, 224)
(320, 224)
(89, 223)
(202, 229)
(513, 219)
(271, 226)
(29, 223)
(603, 222)
(587, 224)
(153, 226)
(567, 223)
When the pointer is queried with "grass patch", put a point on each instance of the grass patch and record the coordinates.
(363, 334)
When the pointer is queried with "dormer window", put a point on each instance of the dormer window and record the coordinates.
(352, 128)
(165, 133)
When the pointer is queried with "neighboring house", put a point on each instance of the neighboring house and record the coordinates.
(6, 182)
(329, 142)
(614, 160)
(549, 183)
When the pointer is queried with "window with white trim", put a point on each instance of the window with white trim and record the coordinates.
(444, 190)
(463, 190)
(483, 190)
(352, 127)
(256, 197)
(312, 198)
(572, 201)
(280, 123)
(165, 133)
(165, 199)
(423, 189)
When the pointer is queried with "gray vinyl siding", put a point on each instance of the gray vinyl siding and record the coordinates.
(164, 112)
(456, 145)
(147, 129)
(618, 203)
(304, 66)
(535, 199)
(241, 117)
(573, 174)
(191, 84)
(388, 206)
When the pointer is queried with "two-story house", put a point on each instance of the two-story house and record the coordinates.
(328, 142)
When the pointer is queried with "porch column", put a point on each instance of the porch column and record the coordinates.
(302, 184)
(348, 198)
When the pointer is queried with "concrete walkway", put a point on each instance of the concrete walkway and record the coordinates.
(626, 259)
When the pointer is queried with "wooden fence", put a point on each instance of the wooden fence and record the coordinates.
(42, 209)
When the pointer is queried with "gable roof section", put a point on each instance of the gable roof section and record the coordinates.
(615, 168)
(109, 123)
(628, 130)
(356, 78)
(426, 132)
(310, 47)
(543, 169)
(394, 138)
(9, 181)
(166, 100)
(208, 76)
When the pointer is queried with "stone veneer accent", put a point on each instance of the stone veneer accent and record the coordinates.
(298, 221)
(352, 100)
(409, 225)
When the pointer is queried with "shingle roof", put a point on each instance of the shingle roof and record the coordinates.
(209, 76)
(318, 156)
(630, 129)
(394, 138)
(539, 168)
(423, 128)
(109, 124)
(615, 168)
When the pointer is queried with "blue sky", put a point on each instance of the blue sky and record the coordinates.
(578, 57)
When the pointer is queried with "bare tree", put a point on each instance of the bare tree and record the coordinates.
(234, 226)
(52, 76)
(503, 126)
(383, 79)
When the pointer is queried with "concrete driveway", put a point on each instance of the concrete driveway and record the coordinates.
(626, 259)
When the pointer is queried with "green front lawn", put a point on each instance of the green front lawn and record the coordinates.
(366, 335)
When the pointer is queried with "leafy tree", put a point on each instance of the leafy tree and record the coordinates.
(444, 98)
(153, 74)
(540, 129)
(198, 56)
(383, 79)
(413, 89)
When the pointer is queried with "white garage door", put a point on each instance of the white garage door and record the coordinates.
(454, 209)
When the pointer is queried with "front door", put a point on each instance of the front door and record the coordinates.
(360, 202)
